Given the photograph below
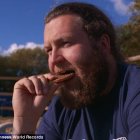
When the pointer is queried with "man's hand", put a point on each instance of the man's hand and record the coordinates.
(30, 98)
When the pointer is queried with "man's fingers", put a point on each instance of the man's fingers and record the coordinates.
(50, 77)
(48, 86)
(26, 85)
(45, 83)
(39, 85)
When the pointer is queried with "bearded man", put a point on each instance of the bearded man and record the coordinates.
(98, 94)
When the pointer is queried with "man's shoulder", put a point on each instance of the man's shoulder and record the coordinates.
(129, 74)
(129, 96)
(133, 70)
(129, 83)
(132, 77)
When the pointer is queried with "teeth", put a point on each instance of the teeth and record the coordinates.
(65, 72)
(62, 78)
(70, 71)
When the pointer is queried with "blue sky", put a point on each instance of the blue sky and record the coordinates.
(22, 21)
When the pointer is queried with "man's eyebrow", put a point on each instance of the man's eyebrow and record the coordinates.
(46, 47)
(57, 40)
(63, 38)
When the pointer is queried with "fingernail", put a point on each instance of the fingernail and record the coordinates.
(40, 91)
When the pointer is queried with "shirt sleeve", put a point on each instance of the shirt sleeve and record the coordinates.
(134, 118)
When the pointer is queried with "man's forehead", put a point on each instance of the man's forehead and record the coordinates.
(66, 25)
(60, 37)
(69, 19)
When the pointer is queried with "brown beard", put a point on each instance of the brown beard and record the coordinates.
(90, 86)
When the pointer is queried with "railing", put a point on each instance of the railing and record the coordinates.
(133, 58)
(6, 97)
(6, 104)
(9, 78)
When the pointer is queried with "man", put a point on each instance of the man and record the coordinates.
(98, 95)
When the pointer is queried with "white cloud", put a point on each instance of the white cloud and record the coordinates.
(14, 47)
(121, 7)
(0, 49)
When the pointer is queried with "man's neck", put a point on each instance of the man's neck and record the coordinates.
(113, 72)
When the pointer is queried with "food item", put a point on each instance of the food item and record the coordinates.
(62, 78)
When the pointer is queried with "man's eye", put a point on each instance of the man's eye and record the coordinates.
(48, 50)
(67, 43)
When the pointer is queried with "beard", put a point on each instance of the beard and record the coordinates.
(87, 87)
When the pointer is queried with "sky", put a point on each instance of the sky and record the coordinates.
(22, 21)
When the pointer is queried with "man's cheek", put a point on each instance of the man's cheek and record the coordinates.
(50, 66)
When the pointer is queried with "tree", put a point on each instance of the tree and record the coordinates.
(24, 62)
(135, 8)
(129, 34)
(3, 61)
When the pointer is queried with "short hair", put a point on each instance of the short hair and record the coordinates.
(95, 22)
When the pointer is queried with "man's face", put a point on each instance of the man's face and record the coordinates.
(69, 50)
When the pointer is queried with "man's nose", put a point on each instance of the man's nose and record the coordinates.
(57, 57)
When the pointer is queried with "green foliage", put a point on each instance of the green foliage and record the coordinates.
(128, 40)
(24, 62)
(128, 35)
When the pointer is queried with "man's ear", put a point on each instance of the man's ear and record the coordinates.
(105, 43)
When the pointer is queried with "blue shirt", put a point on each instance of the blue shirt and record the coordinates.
(113, 117)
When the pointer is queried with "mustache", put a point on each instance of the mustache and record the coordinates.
(62, 70)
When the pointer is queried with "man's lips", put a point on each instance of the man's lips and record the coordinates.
(65, 71)
(62, 77)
